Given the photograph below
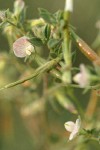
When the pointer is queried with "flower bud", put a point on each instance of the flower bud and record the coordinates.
(69, 5)
(18, 6)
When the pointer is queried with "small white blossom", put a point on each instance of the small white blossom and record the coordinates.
(69, 5)
(22, 47)
(73, 128)
(82, 78)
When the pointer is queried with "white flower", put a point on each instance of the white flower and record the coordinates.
(69, 5)
(22, 47)
(73, 128)
(82, 78)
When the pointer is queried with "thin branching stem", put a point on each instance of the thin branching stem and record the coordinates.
(45, 67)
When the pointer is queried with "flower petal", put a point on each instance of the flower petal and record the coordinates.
(82, 78)
(73, 135)
(75, 130)
(22, 47)
(69, 126)
(78, 123)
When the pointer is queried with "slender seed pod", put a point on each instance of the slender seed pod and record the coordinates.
(85, 49)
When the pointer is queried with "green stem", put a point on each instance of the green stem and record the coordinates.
(94, 139)
(88, 136)
(20, 30)
(94, 87)
(94, 78)
(39, 60)
(67, 15)
(12, 23)
(78, 106)
(54, 72)
(66, 49)
(45, 67)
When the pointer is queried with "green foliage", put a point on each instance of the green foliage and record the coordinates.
(48, 76)
(36, 41)
(47, 16)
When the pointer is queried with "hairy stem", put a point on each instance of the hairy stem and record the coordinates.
(45, 67)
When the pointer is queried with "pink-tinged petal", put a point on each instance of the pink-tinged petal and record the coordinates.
(69, 126)
(78, 124)
(21, 47)
(75, 130)
(77, 78)
(82, 78)
(72, 135)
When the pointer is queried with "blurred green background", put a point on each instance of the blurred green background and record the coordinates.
(42, 131)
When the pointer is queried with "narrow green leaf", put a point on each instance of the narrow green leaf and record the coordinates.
(36, 41)
(47, 31)
(47, 16)
(52, 43)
